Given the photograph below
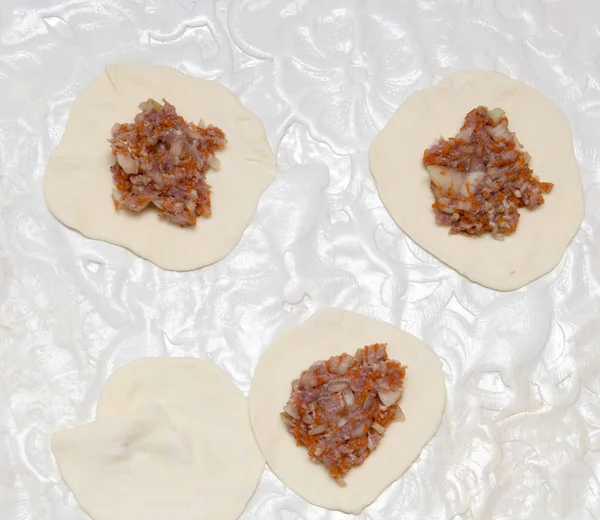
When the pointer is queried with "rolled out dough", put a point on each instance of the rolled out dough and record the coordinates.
(171, 440)
(78, 183)
(331, 332)
(403, 183)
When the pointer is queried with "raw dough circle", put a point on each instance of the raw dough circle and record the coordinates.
(78, 183)
(328, 333)
(403, 183)
(171, 440)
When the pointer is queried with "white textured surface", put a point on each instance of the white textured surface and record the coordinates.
(521, 433)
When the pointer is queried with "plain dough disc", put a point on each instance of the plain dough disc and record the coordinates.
(328, 333)
(78, 183)
(172, 439)
(403, 183)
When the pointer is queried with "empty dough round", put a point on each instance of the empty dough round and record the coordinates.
(78, 182)
(403, 183)
(172, 439)
(328, 333)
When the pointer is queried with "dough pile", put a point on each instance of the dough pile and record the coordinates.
(78, 183)
(542, 235)
(328, 333)
(171, 440)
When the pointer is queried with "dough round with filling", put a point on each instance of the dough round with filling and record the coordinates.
(403, 183)
(78, 183)
(171, 440)
(328, 333)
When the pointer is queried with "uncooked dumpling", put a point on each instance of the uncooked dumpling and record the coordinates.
(171, 440)
(78, 183)
(329, 333)
(542, 235)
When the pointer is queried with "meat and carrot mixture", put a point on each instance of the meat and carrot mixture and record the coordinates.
(340, 408)
(162, 160)
(481, 177)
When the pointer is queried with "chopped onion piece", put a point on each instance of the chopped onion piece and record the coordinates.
(358, 431)
(446, 179)
(214, 163)
(454, 181)
(177, 147)
(369, 401)
(318, 429)
(192, 133)
(157, 178)
(344, 365)
(371, 443)
(128, 163)
(292, 410)
(496, 114)
(389, 398)
(378, 428)
(337, 387)
(399, 415)
(348, 396)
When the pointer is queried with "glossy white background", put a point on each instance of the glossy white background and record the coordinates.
(521, 433)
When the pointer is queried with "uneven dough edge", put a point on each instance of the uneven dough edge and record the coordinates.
(82, 157)
(331, 332)
(165, 406)
(538, 244)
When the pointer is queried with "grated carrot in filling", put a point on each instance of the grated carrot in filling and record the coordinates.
(481, 177)
(340, 408)
(162, 160)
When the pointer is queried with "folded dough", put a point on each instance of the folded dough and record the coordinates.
(171, 440)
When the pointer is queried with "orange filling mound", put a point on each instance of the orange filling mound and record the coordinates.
(162, 160)
(481, 177)
(340, 408)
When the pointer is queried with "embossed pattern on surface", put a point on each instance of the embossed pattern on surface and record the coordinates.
(521, 433)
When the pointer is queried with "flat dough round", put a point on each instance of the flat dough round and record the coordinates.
(328, 333)
(171, 440)
(542, 235)
(78, 183)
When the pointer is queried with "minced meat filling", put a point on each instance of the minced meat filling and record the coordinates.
(482, 176)
(340, 408)
(163, 160)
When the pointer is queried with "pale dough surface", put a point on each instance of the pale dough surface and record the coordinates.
(331, 332)
(78, 183)
(403, 183)
(171, 440)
